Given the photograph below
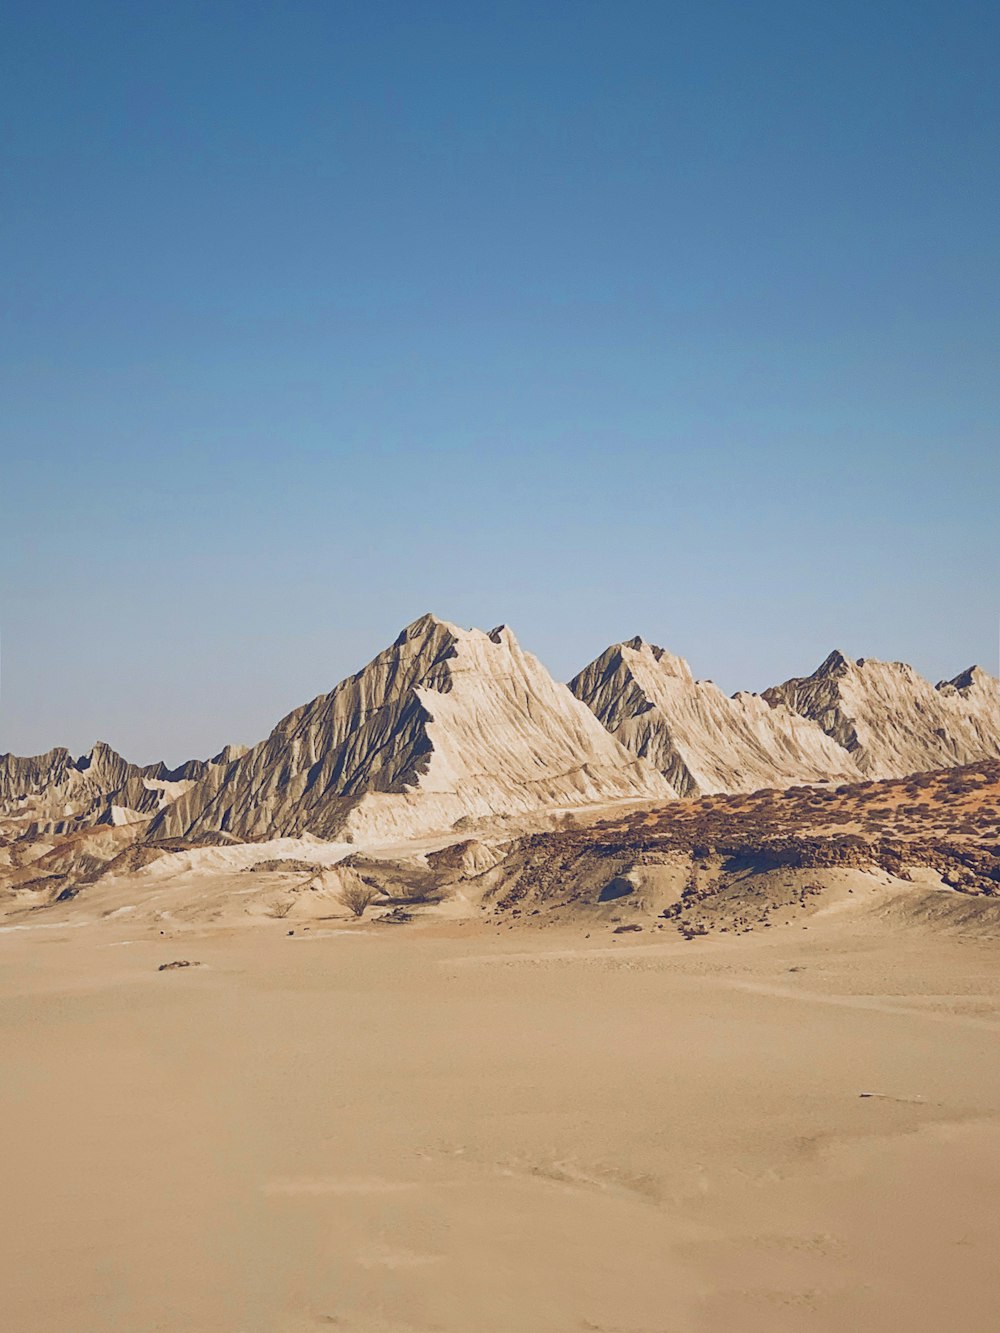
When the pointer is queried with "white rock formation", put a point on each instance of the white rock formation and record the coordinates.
(445, 724)
(891, 720)
(699, 738)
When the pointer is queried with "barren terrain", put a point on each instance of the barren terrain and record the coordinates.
(450, 1126)
(695, 1067)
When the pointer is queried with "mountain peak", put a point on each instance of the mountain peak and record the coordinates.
(422, 626)
(967, 679)
(98, 752)
(837, 664)
(668, 663)
(891, 720)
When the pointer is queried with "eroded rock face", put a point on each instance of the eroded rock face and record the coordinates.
(22, 776)
(445, 724)
(699, 738)
(891, 720)
(55, 793)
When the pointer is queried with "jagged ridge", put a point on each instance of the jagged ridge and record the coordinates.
(445, 724)
(702, 740)
(891, 720)
(55, 793)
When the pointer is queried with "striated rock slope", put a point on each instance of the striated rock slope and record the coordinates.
(55, 793)
(24, 776)
(891, 720)
(443, 725)
(699, 738)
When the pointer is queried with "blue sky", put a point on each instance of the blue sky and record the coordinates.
(596, 319)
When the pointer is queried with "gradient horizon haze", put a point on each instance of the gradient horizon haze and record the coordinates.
(670, 319)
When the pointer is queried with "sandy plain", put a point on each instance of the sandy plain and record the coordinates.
(447, 1126)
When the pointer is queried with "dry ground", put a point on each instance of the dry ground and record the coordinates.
(456, 1127)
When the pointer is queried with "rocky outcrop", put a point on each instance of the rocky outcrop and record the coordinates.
(24, 776)
(737, 862)
(699, 738)
(55, 793)
(892, 721)
(446, 724)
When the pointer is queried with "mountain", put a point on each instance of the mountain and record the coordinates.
(891, 720)
(449, 726)
(24, 776)
(699, 738)
(55, 793)
(444, 725)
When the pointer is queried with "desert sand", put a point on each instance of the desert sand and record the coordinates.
(454, 1125)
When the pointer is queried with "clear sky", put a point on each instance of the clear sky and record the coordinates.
(597, 319)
